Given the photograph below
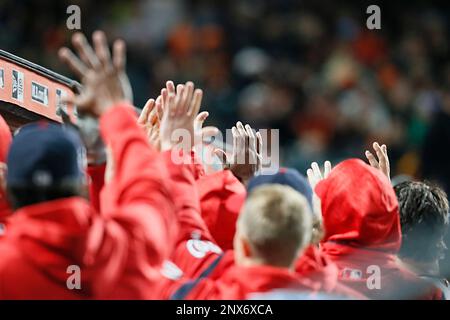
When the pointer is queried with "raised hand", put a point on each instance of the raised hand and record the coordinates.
(246, 159)
(150, 120)
(104, 80)
(315, 175)
(181, 106)
(382, 163)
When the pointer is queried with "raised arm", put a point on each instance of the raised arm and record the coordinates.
(194, 243)
(135, 198)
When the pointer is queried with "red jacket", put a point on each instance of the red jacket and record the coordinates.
(96, 176)
(120, 252)
(362, 232)
(195, 247)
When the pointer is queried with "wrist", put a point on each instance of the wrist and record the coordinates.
(108, 104)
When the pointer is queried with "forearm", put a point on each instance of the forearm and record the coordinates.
(186, 197)
(137, 167)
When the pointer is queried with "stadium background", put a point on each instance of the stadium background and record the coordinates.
(309, 68)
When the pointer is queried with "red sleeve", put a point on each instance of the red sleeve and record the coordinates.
(137, 196)
(195, 247)
(96, 181)
(221, 198)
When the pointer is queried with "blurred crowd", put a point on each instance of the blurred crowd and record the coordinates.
(308, 68)
(121, 205)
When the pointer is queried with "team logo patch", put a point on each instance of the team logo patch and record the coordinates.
(199, 248)
(351, 274)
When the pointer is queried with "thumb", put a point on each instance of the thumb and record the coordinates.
(199, 119)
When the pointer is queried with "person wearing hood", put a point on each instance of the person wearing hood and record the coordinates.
(56, 245)
(5, 142)
(362, 231)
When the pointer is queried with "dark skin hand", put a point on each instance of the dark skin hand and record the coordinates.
(246, 159)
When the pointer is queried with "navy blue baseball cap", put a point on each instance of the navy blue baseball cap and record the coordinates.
(45, 154)
(288, 177)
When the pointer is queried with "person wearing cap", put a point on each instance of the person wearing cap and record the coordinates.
(274, 227)
(312, 264)
(56, 245)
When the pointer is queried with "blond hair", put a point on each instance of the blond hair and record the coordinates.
(277, 222)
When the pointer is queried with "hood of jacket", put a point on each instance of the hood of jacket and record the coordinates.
(360, 208)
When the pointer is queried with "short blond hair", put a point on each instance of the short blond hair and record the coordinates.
(277, 222)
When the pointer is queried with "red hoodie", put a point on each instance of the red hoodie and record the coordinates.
(5, 142)
(119, 253)
(362, 232)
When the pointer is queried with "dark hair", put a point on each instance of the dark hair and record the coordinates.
(424, 218)
(24, 196)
